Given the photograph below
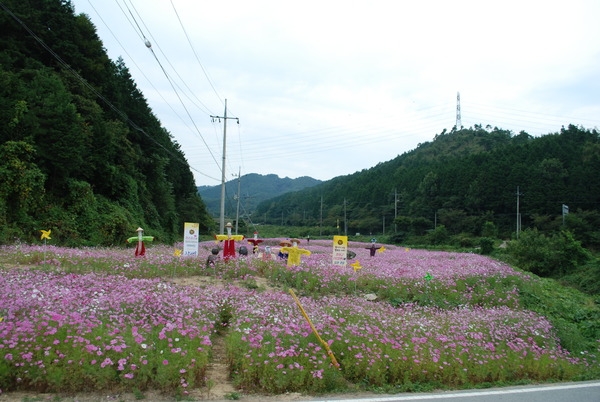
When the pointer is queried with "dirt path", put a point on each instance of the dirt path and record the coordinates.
(218, 382)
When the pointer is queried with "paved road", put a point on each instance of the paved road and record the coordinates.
(586, 391)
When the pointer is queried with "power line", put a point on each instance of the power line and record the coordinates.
(155, 42)
(92, 89)
(149, 46)
(141, 70)
(194, 51)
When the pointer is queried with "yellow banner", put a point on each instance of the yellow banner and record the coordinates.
(340, 250)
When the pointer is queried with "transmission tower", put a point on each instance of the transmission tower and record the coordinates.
(458, 121)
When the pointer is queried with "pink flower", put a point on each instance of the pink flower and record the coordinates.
(165, 362)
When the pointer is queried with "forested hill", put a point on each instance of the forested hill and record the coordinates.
(460, 180)
(254, 189)
(81, 152)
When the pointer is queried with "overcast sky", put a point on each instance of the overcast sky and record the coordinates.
(328, 88)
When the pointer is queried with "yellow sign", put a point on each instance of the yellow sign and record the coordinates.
(340, 250)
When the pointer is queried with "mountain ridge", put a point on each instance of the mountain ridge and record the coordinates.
(254, 189)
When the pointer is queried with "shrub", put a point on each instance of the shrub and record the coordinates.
(439, 235)
(547, 255)
(489, 230)
(487, 245)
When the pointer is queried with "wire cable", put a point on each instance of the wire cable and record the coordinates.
(92, 89)
(195, 54)
(148, 44)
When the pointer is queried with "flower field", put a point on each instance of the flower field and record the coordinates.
(99, 318)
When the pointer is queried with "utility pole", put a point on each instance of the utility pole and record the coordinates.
(224, 117)
(345, 220)
(395, 210)
(518, 214)
(237, 213)
(321, 221)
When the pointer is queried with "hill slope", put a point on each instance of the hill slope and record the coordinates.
(461, 180)
(254, 189)
(81, 152)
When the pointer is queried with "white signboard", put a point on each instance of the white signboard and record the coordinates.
(190, 239)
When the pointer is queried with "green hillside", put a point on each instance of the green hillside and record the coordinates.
(461, 180)
(81, 152)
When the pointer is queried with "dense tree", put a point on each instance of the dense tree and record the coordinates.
(467, 177)
(22, 188)
(81, 151)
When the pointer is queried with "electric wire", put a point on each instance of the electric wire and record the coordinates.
(76, 74)
(91, 88)
(149, 46)
(195, 54)
(141, 70)
(173, 68)
(168, 61)
(306, 144)
(155, 42)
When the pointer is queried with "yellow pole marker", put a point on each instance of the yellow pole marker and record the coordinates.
(325, 345)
